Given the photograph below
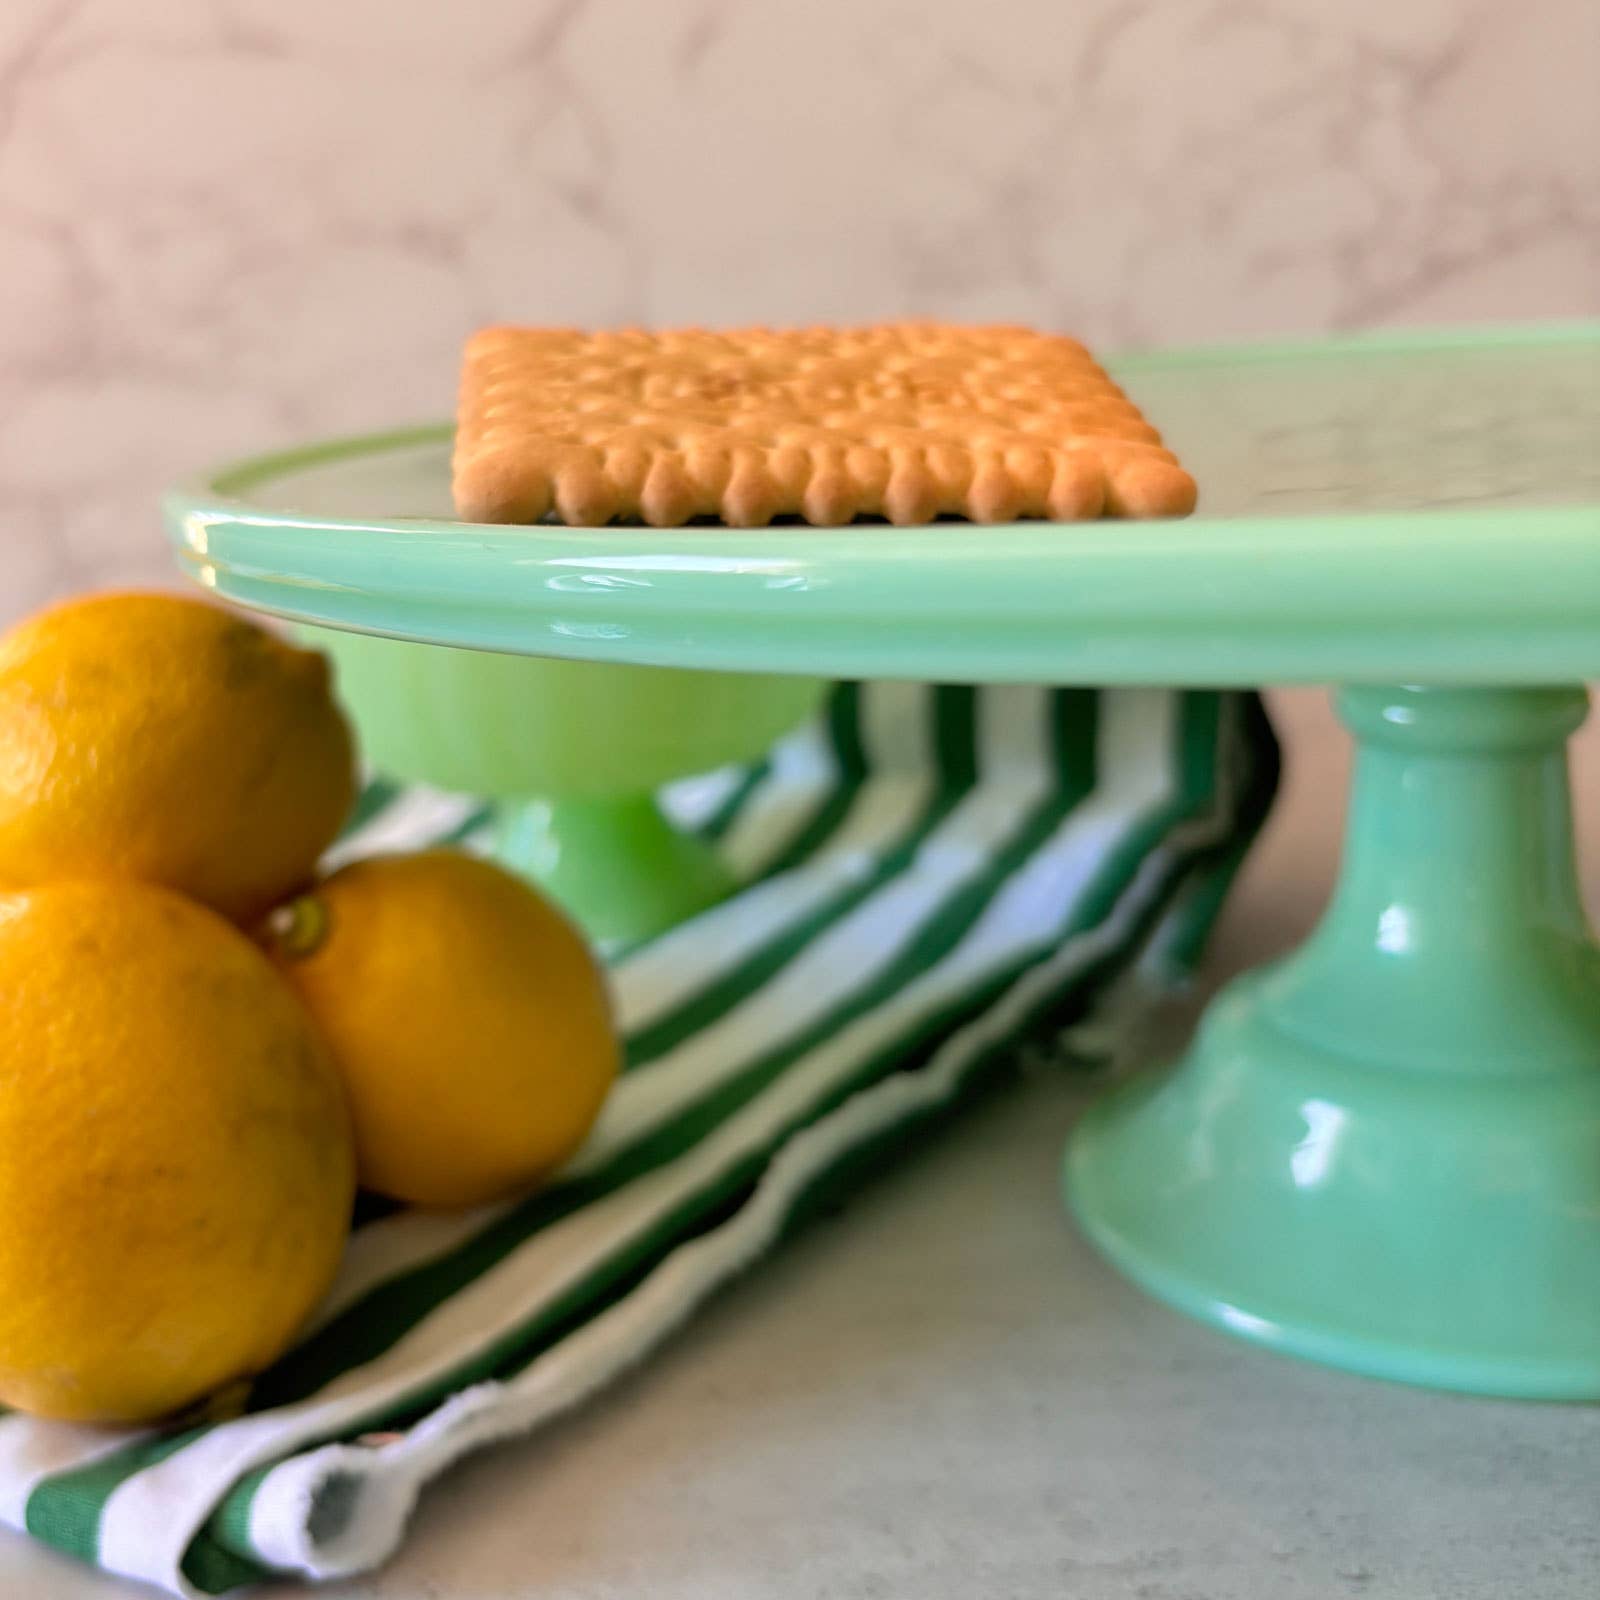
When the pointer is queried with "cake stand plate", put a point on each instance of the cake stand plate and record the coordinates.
(1383, 1152)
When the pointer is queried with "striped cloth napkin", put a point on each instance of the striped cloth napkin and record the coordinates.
(937, 876)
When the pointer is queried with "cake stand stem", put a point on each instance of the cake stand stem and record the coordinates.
(1384, 1152)
(617, 865)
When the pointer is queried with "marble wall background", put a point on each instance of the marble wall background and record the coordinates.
(227, 224)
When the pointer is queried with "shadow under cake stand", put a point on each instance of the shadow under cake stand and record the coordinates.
(1382, 1152)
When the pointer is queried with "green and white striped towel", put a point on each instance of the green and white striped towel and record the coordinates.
(937, 876)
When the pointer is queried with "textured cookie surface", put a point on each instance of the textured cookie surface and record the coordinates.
(906, 421)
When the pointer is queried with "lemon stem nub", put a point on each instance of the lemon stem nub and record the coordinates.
(298, 929)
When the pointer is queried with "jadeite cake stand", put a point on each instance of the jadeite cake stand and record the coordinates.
(1382, 1152)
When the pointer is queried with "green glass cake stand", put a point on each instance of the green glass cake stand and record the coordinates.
(1384, 1151)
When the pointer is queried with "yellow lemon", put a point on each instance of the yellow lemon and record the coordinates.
(160, 738)
(466, 1015)
(176, 1171)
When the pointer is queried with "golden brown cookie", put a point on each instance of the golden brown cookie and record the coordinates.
(906, 421)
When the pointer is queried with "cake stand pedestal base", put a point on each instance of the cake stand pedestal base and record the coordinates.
(1384, 1152)
(617, 866)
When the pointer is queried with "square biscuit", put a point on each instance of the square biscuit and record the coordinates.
(906, 421)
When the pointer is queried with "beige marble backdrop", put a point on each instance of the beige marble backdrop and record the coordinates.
(227, 223)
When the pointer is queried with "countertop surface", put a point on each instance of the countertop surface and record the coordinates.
(942, 1392)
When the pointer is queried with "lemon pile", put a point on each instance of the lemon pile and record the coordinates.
(204, 1047)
